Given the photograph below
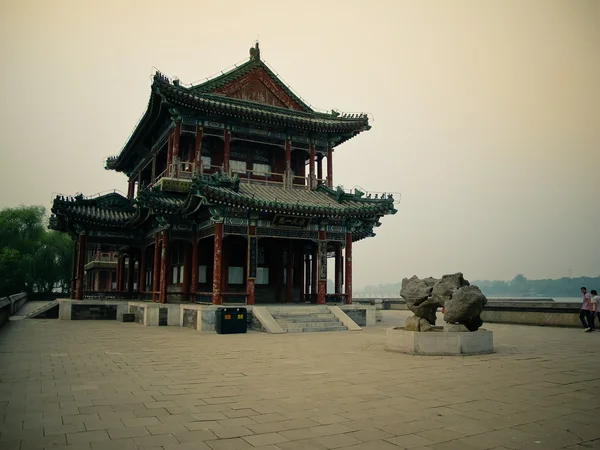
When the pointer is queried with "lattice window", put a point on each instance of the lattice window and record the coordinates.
(206, 162)
(237, 166)
(236, 275)
(202, 274)
(262, 275)
(261, 169)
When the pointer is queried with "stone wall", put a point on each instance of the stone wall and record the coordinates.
(138, 313)
(190, 317)
(93, 312)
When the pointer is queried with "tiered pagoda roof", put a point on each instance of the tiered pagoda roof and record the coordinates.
(222, 99)
(115, 211)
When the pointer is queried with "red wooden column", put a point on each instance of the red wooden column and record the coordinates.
(315, 274)
(130, 272)
(289, 272)
(97, 281)
(80, 265)
(330, 167)
(348, 268)
(320, 167)
(322, 268)
(169, 153)
(156, 268)
(197, 156)
(252, 263)
(176, 136)
(226, 143)
(131, 188)
(142, 274)
(307, 276)
(338, 268)
(74, 269)
(118, 274)
(288, 162)
(311, 166)
(164, 266)
(187, 269)
(299, 269)
(217, 298)
(194, 268)
(109, 288)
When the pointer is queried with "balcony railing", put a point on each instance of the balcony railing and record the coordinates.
(185, 170)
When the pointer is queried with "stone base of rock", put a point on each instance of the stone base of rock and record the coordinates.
(439, 342)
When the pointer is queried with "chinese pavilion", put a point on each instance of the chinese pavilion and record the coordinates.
(227, 199)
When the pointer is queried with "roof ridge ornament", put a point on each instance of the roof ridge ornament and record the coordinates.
(255, 53)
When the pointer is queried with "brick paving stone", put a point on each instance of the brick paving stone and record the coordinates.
(319, 389)
(229, 444)
(87, 436)
(265, 439)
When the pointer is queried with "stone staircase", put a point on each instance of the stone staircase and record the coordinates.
(41, 309)
(302, 319)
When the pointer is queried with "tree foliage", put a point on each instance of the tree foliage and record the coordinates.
(32, 258)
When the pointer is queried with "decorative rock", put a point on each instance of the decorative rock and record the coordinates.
(416, 323)
(447, 286)
(416, 292)
(465, 307)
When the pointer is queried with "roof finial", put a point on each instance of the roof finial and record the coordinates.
(255, 53)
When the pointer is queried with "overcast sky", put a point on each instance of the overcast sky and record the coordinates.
(487, 113)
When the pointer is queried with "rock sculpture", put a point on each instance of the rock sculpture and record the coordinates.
(462, 302)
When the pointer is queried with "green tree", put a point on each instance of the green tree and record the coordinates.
(32, 258)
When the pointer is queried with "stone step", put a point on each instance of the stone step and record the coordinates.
(311, 330)
(290, 325)
(42, 309)
(304, 317)
(298, 309)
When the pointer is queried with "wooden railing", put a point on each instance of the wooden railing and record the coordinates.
(186, 170)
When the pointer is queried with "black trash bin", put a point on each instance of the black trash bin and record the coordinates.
(231, 320)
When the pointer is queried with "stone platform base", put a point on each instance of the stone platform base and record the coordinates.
(439, 342)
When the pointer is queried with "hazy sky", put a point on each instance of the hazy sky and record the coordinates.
(487, 113)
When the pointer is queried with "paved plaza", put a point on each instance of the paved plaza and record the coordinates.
(98, 385)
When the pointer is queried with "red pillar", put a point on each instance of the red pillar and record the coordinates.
(311, 166)
(80, 264)
(164, 266)
(307, 276)
(288, 162)
(330, 167)
(142, 274)
(118, 274)
(130, 273)
(198, 151)
(322, 261)
(315, 273)
(194, 267)
(289, 272)
(187, 266)
(176, 137)
(131, 188)
(156, 268)
(338, 268)
(97, 280)
(74, 269)
(217, 266)
(251, 265)
(169, 153)
(320, 168)
(298, 269)
(110, 276)
(227, 140)
(348, 268)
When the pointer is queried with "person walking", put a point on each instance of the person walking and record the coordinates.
(595, 305)
(585, 315)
